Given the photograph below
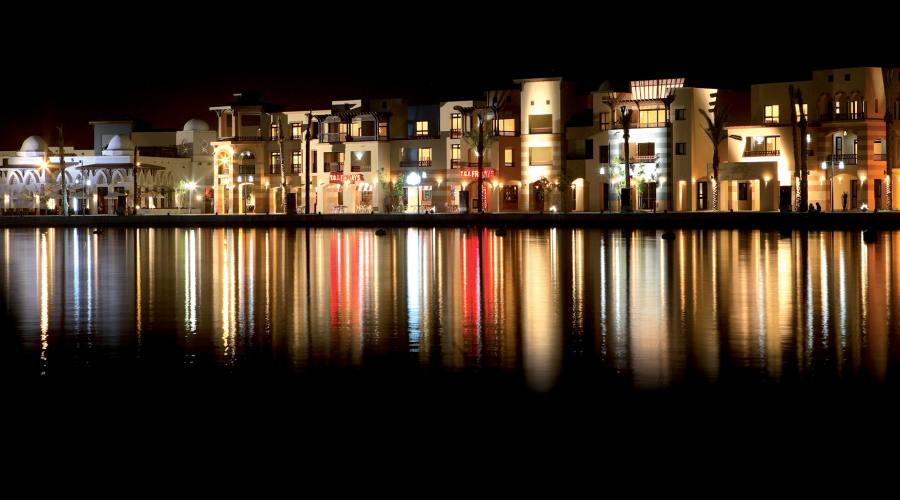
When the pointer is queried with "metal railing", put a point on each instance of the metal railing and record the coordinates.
(879, 157)
(415, 163)
(766, 152)
(330, 137)
(454, 163)
(455, 133)
(847, 159)
(333, 166)
(507, 133)
(540, 130)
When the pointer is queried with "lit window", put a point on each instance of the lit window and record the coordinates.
(425, 156)
(274, 131)
(507, 126)
(508, 157)
(455, 155)
(296, 161)
(296, 131)
(772, 114)
(604, 120)
(805, 111)
(455, 125)
(421, 128)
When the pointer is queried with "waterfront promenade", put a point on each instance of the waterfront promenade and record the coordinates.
(678, 220)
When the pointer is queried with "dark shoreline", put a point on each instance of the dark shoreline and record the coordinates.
(841, 221)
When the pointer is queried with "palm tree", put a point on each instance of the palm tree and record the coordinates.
(887, 74)
(800, 155)
(717, 133)
(625, 119)
(476, 136)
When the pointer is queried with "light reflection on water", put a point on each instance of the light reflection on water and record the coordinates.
(544, 307)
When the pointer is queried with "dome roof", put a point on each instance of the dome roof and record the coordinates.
(195, 125)
(34, 144)
(120, 142)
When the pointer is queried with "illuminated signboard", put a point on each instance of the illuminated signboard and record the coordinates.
(337, 178)
(473, 173)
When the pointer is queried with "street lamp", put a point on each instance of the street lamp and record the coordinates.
(191, 186)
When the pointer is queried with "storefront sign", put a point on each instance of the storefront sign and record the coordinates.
(472, 173)
(336, 178)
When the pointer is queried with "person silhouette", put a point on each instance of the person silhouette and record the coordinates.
(818, 208)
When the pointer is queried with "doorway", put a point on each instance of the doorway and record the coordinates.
(854, 194)
(537, 196)
(702, 192)
(877, 188)
(784, 198)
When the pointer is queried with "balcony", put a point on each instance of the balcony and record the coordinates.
(768, 152)
(839, 117)
(363, 138)
(332, 137)
(474, 164)
(454, 163)
(295, 168)
(415, 163)
(455, 133)
(512, 133)
(540, 130)
(847, 159)
(333, 166)
(540, 163)
(879, 157)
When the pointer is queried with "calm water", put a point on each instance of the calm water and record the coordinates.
(540, 308)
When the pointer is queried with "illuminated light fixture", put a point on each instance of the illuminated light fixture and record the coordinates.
(553, 208)
(759, 139)
(767, 179)
(602, 170)
(358, 155)
(841, 165)
(808, 138)
(413, 179)
(424, 174)
(824, 165)
(862, 178)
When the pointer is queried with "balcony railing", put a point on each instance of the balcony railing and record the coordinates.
(415, 163)
(540, 163)
(296, 168)
(247, 170)
(846, 116)
(509, 133)
(847, 159)
(455, 133)
(508, 164)
(245, 138)
(644, 159)
(767, 152)
(331, 137)
(361, 138)
(618, 125)
(540, 130)
(454, 163)
(360, 168)
(333, 166)
(879, 157)
(474, 164)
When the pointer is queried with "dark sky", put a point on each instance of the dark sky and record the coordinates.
(171, 66)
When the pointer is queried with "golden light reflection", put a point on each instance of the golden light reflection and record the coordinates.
(708, 306)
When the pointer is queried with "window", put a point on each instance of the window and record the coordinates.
(356, 128)
(540, 156)
(548, 102)
(846, 77)
(540, 124)
(455, 155)
(854, 108)
(506, 126)
(762, 146)
(510, 197)
(296, 162)
(425, 157)
(604, 120)
(743, 190)
(296, 131)
(275, 163)
(897, 110)
(679, 114)
(646, 151)
(588, 149)
(334, 161)
(508, 157)
(653, 117)
(830, 78)
(455, 126)
(805, 111)
(837, 106)
(382, 130)
(315, 161)
(680, 148)
(604, 154)
(273, 130)
(421, 129)
(772, 114)
(361, 161)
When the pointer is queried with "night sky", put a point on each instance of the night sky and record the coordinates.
(167, 68)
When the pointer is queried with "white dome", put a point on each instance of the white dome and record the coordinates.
(195, 125)
(120, 142)
(34, 145)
